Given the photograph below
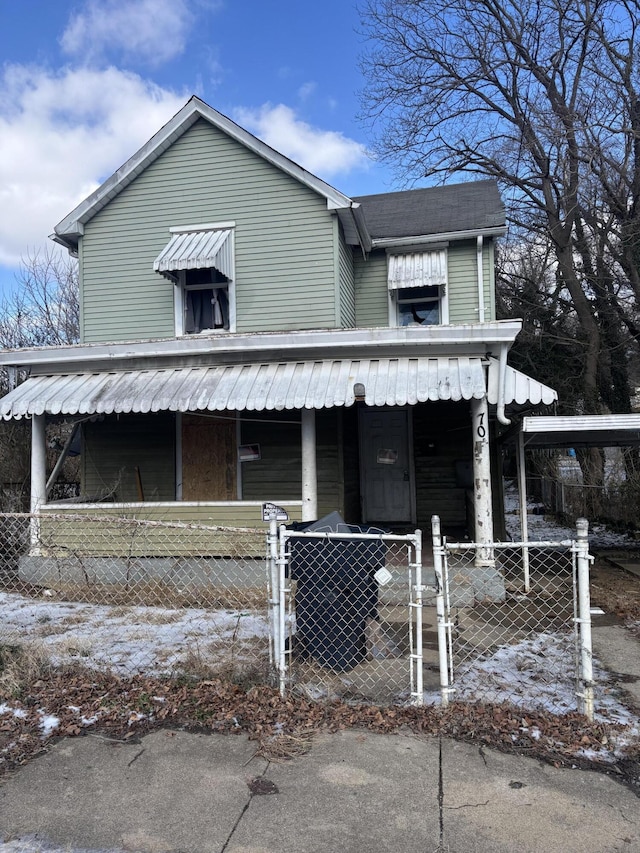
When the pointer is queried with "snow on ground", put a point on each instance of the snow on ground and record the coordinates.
(128, 639)
(544, 528)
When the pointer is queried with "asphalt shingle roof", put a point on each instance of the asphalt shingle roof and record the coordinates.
(434, 210)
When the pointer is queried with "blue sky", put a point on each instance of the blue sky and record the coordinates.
(84, 83)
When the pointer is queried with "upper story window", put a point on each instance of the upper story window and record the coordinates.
(199, 260)
(418, 288)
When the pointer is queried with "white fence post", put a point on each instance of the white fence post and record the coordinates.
(282, 592)
(274, 594)
(584, 619)
(417, 681)
(440, 610)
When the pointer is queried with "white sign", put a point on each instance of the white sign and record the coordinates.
(273, 512)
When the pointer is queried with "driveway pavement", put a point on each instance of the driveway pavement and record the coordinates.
(353, 791)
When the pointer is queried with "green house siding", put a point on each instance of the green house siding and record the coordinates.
(372, 307)
(345, 277)
(372, 295)
(277, 475)
(115, 447)
(284, 242)
(462, 268)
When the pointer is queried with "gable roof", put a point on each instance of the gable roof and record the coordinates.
(455, 210)
(473, 207)
(69, 229)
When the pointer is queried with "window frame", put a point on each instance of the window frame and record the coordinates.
(443, 289)
(181, 288)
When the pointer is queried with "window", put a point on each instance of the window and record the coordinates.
(418, 306)
(199, 260)
(418, 288)
(204, 302)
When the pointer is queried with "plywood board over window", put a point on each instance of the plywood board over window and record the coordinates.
(209, 471)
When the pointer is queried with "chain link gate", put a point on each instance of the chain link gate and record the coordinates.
(346, 614)
(514, 622)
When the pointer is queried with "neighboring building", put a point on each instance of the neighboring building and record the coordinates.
(250, 334)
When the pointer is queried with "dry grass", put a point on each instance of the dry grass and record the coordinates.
(149, 594)
(21, 666)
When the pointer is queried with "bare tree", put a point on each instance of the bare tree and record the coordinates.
(43, 309)
(542, 95)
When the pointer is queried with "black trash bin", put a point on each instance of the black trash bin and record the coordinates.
(336, 592)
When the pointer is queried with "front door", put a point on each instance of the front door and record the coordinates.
(385, 466)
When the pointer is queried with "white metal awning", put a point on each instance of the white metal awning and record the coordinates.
(250, 387)
(188, 250)
(519, 389)
(417, 269)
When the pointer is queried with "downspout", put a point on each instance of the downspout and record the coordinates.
(502, 378)
(479, 247)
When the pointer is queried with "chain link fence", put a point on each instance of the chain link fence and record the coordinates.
(352, 615)
(515, 621)
(135, 596)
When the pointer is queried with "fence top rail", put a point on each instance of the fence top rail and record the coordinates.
(375, 537)
(140, 522)
(467, 546)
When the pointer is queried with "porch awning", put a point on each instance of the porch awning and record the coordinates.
(250, 387)
(519, 389)
(188, 250)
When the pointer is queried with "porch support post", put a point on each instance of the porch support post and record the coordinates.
(38, 463)
(482, 477)
(38, 475)
(524, 521)
(309, 468)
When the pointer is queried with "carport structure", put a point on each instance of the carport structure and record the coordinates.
(548, 432)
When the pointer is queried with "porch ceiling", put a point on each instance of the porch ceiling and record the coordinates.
(251, 387)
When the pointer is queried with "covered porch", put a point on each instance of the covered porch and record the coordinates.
(385, 441)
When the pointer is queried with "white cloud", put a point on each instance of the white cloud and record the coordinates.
(148, 31)
(60, 136)
(306, 90)
(324, 152)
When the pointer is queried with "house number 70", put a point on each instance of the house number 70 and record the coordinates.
(480, 430)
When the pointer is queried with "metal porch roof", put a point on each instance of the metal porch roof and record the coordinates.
(250, 387)
(189, 250)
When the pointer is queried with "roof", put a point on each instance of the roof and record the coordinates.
(68, 230)
(471, 206)
(581, 431)
(259, 386)
(458, 208)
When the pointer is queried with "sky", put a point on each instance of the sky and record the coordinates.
(84, 83)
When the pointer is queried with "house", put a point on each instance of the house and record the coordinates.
(250, 334)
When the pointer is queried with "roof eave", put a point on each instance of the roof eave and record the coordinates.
(468, 234)
(476, 338)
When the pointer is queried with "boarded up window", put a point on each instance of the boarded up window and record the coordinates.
(208, 459)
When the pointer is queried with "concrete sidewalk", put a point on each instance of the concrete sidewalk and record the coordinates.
(353, 791)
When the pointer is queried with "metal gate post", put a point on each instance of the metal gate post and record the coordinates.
(443, 624)
(584, 618)
(274, 594)
(417, 682)
(282, 593)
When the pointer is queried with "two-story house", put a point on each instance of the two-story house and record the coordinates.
(249, 334)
